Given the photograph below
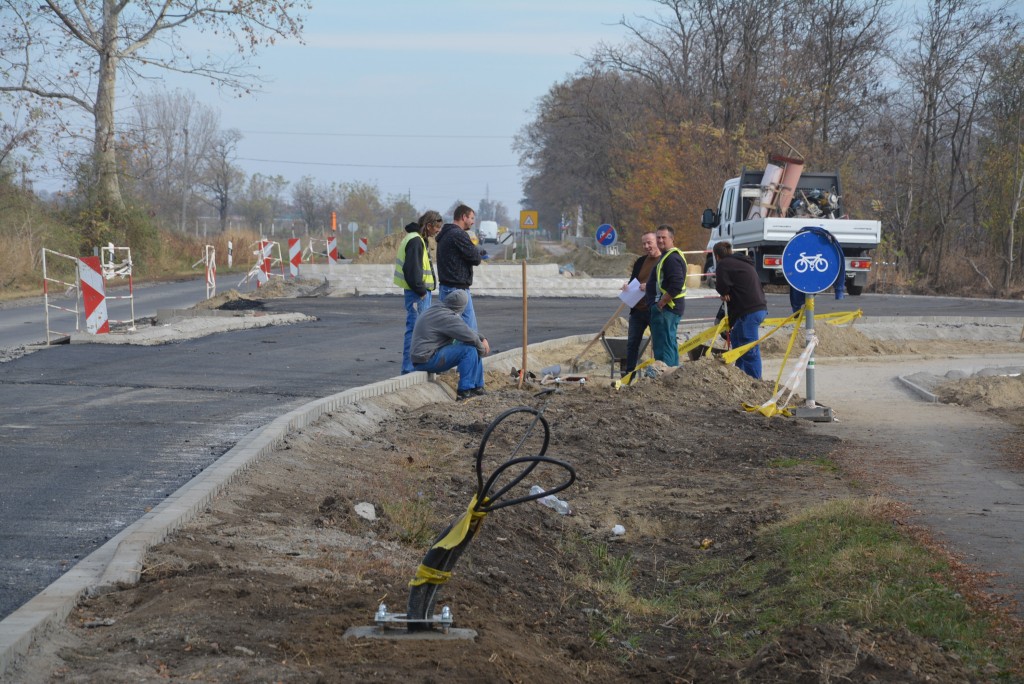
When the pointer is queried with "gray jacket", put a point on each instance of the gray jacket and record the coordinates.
(439, 325)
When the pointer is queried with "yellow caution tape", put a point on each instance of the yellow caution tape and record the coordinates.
(426, 575)
(708, 335)
(735, 353)
(461, 527)
(456, 535)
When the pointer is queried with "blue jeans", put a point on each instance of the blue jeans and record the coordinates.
(745, 330)
(461, 355)
(664, 328)
(468, 315)
(638, 322)
(414, 306)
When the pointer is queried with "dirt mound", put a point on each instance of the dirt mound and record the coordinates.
(276, 288)
(264, 585)
(382, 252)
(587, 262)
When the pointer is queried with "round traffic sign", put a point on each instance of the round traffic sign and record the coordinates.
(811, 262)
(605, 234)
(353, 227)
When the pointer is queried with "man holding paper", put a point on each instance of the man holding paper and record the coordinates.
(633, 294)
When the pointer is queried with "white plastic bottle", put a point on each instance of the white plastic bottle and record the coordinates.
(552, 501)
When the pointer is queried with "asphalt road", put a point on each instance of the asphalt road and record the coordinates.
(94, 435)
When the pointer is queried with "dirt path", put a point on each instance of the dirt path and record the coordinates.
(952, 464)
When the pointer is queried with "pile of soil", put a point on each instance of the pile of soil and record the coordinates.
(382, 252)
(588, 263)
(263, 586)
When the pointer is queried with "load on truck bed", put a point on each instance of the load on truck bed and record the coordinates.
(758, 213)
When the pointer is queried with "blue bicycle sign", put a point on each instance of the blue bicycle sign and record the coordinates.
(811, 262)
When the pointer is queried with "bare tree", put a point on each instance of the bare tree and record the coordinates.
(70, 52)
(944, 73)
(261, 200)
(314, 202)
(1002, 161)
(169, 142)
(219, 176)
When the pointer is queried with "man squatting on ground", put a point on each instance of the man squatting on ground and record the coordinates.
(640, 315)
(666, 297)
(415, 274)
(456, 257)
(441, 340)
(737, 281)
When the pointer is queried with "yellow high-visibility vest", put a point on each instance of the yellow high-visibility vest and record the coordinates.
(428, 271)
(661, 290)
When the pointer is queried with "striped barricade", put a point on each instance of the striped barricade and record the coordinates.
(90, 276)
(294, 256)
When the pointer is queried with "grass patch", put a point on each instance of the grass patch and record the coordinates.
(820, 462)
(841, 562)
(411, 520)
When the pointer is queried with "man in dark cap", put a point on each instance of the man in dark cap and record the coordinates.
(441, 340)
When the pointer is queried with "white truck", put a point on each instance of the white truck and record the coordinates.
(488, 231)
(816, 200)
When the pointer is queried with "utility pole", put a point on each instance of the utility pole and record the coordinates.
(184, 188)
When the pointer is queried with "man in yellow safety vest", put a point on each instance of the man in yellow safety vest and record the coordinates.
(666, 296)
(414, 273)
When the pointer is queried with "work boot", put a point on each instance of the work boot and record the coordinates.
(464, 394)
(477, 392)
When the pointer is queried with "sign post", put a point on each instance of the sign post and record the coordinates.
(353, 228)
(811, 264)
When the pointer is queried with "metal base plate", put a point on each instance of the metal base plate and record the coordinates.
(375, 632)
(817, 414)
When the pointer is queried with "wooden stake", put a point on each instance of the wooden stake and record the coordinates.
(522, 373)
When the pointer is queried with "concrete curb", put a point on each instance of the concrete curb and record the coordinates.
(917, 389)
(119, 561)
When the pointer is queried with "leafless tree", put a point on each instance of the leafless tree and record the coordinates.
(219, 176)
(70, 52)
(261, 200)
(315, 201)
(168, 142)
(944, 73)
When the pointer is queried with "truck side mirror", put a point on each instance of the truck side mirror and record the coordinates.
(709, 219)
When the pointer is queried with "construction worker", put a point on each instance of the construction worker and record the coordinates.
(415, 274)
(739, 285)
(666, 293)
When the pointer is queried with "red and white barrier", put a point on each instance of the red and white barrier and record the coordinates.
(211, 270)
(294, 256)
(263, 274)
(332, 251)
(90, 276)
(363, 245)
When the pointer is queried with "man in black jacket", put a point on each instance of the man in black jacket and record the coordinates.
(456, 257)
(737, 281)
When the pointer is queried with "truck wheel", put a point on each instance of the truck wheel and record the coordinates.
(855, 290)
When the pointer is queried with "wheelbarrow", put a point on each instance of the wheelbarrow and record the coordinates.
(616, 348)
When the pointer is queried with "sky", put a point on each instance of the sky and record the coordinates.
(419, 98)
